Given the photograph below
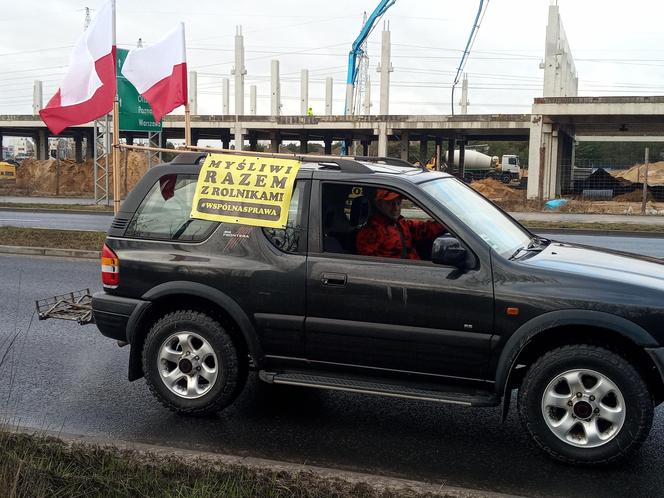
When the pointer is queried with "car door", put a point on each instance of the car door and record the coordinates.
(410, 316)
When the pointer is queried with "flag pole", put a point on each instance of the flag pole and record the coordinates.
(187, 115)
(116, 135)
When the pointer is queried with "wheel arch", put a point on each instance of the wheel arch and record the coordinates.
(190, 295)
(560, 328)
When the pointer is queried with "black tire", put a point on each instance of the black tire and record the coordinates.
(505, 178)
(224, 360)
(468, 178)
(633, 400)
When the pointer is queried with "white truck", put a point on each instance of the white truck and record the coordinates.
(478, 166)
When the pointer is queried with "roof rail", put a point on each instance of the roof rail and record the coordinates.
(348, 165)
(389, 161)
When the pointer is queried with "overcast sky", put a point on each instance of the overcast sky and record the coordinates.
(616, 46)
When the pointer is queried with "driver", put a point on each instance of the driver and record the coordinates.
(388, 234)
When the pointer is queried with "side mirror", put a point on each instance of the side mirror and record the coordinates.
(446, 250)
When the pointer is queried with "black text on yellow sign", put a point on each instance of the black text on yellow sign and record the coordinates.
(247, 190)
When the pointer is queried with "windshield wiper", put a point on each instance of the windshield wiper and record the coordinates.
(537, 244)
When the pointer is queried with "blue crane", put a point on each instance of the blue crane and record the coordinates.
(356, 51)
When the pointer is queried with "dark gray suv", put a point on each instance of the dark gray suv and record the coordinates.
(472, 314)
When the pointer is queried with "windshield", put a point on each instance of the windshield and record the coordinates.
(482, 217)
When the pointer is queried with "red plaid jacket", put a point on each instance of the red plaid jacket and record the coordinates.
(394, 239)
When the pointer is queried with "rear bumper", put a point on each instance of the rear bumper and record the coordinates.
(113, 313)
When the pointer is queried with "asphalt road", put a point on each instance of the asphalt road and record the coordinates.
(61, 376)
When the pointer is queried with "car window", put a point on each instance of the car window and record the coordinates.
(165, 210)
(291, 238)
(375, 221)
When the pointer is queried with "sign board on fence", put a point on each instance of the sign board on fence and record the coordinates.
(135, 112)
(247, 190)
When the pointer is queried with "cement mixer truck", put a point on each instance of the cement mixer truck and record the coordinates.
(478, 166)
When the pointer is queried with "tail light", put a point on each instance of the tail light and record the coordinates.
(110, 268)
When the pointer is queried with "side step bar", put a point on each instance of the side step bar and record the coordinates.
(382, 389)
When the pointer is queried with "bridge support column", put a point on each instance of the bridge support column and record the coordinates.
(129, 136)
(439, 151)
(328, 145)
(89, 146)
(194, 137)
(462, 159)
(164, 140)
(365, 147)
(304, 145)
(451, 143)
(539, 159)
(42, 147)
(238, 136)
(253, 141)
(226, 139)
(350, 146)
(382, 140)
(275, 141)
(405, 142)
(78, 148)
(2, 155)
(424, 149)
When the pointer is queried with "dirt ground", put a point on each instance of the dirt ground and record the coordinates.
(64, 178)
(636, 173)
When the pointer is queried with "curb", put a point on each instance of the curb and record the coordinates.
(381, 483)
(49, 251)
(600, 233)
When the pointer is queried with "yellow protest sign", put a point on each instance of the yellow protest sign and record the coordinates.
(247, 190)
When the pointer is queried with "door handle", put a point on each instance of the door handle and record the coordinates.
(338, 279)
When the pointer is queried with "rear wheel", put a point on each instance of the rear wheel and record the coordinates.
(584, 404)
(506, 178)
(191, 363)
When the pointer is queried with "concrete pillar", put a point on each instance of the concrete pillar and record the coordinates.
(462, 159)
(382, 139)
(304, 92)
(365, 147)
(451, 143)
(328, 145)
(405, 142)
(348, 143)
(89, 146)
(194, 137)
(238, 136)
(275, 141)
(42, 149)
(464, 95)
(540, 141)
(37, 97)
(226, 141)
(78, 147)
(328, 96)
(252, 100)
(239, 71)
(366, 104)
(193, 92)
(439, 152)
(2, 155)
(385, 68)
(424, 146)
(164, 140)
(253, 141)
(129, 137)
(225, 96)
(304, 145)
(275, 108)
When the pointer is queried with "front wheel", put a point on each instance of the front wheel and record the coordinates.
(190, 363)
(506, 178)
(584, 404)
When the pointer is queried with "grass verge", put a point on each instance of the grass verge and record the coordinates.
(600, 227)
(93, 208)
(39, 466)
(57, 239)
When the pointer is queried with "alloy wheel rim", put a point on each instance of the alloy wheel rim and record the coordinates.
(583, 408)
(187, 365)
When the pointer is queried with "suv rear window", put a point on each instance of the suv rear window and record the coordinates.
(164, 213)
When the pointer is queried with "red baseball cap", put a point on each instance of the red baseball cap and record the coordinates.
(387, 195)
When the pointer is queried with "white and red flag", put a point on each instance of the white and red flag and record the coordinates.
(88, 89)
(159, 72)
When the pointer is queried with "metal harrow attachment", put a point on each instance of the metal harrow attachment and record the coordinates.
(75, 306)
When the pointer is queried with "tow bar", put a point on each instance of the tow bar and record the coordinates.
(75, 306)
